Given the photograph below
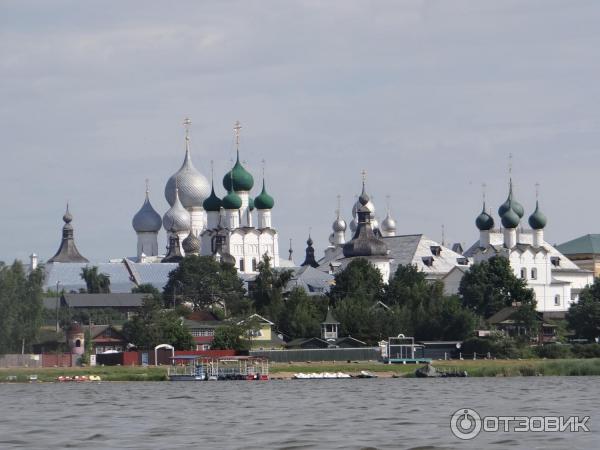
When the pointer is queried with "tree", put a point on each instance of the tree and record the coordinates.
(359, 279)
(96, 283)
(491, 285)
(267, 293)
(154, 325)
(407, 286)
(302, 314)
(204, 282)
(146, 288)
(583, 317)
(21, 307)
(231, 337)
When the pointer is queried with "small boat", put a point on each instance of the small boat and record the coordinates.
(366, 374)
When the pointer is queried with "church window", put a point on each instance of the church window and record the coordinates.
(254, 265)
(557, 300)
(534, 273)
(524, 273)
(242, 268)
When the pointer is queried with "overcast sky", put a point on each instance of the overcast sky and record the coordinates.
(429, 97)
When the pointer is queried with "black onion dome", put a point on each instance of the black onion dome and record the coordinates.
(537, 220)
(364, 242)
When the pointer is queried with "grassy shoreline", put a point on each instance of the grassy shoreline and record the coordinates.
(478, 368)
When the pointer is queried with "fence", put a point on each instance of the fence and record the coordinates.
(320, 354)
(21, 361)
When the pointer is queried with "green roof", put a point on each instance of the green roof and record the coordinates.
(590, 243)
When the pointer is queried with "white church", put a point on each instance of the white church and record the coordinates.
(235, 227)
(555, 280)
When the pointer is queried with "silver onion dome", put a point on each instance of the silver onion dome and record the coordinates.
(388, 224)
(191, 244)
(339, 225)
(146, 220)
(193, 187)
(177, 218)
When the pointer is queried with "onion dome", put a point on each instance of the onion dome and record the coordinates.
(238, 178)
(364, 242)
(212, 203)
(309, 259)
(146, 220)
(388, 225)
(193, 187)
(375, 223)
(191, 244)
(511, 202)
(510, 219)
(250, 203)
(339, 225)
(484, 221)
(177, 218)
(232, 201)
(264, 200)
(537, 220)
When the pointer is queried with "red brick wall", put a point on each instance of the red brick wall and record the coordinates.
(60, 360)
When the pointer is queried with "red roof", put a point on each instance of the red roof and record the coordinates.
(204, 339)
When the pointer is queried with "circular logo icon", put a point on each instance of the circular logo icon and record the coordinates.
(465, 423)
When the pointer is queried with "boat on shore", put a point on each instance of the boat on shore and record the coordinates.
(320, 376)
(202, 368)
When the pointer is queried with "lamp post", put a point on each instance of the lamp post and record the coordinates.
(57, 300)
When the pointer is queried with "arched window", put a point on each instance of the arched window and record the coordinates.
(524, 273)
(254, 265)
(241, 264)
(557, 300)
(534, 274)
(78, 343)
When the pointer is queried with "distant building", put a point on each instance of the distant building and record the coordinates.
(583, 251)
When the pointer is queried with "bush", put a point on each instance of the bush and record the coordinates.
(586, 350)
(498, 347)
(554, 351)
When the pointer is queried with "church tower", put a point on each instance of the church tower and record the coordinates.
(147, 223)
(67, 252)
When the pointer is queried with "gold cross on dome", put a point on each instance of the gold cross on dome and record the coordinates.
(364, 175)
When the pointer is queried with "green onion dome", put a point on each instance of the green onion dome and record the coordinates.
(232, 201)
(212, 203)
(250, 203)
(537, 220)
(264, 200)
(511, 202)
(238, 178)
(484, 221)
(510, 219)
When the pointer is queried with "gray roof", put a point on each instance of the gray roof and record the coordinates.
(411, 249)
(123, 275)
(99, 300)
(313, 281)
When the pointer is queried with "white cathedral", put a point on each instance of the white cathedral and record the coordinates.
(236, 228)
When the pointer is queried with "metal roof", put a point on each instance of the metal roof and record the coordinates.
(104, 300)
(588, 244)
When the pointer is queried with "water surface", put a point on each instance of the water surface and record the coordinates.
(302, 414)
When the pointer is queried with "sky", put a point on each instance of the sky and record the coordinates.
(428, 97)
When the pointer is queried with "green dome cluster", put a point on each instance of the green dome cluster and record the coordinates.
(511, 203)
(510, 219)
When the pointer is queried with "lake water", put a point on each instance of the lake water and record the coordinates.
(320, 414)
